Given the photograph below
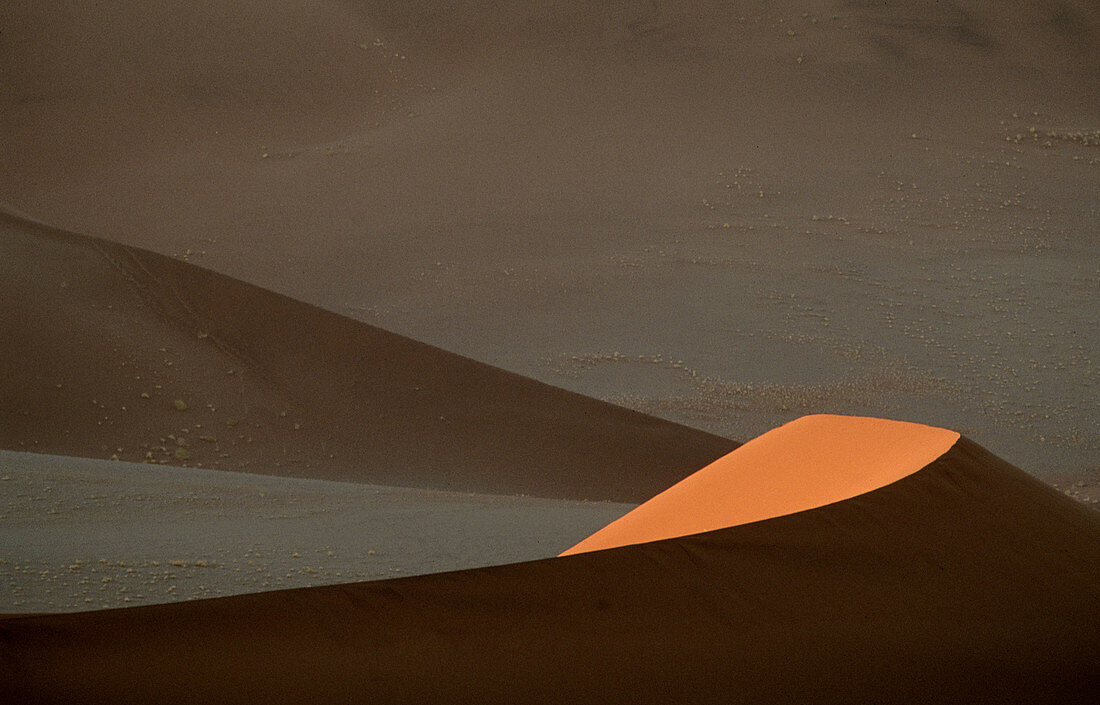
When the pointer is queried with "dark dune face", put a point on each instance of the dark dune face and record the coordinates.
(113, 351)
(908, 189)
(967, 581)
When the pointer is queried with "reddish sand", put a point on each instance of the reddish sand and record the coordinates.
(965, 582)
(810, 462)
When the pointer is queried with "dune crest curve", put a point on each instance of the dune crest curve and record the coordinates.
(810, 462)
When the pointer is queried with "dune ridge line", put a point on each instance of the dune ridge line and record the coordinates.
(810, 462)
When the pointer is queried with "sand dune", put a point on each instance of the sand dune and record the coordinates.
(966, 581)
(372, 241)
(807, 463)
(114, 351)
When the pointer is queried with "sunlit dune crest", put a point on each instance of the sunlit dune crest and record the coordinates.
(807, 463)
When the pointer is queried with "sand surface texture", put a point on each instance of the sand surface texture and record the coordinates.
(730, 214)
(967, 581)
(80, 534)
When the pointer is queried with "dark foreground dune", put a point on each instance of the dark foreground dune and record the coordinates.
(966, 581)
(109, 350)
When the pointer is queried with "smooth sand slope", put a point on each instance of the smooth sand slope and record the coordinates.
(966, 581)
(110, 351)
(730, 214)
(807, 463)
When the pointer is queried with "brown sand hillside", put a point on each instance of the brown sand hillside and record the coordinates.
(113, 351)
(730, 214)
(967, 581)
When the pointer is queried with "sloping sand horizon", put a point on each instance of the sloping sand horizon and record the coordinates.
(117, 352)
(43, 412)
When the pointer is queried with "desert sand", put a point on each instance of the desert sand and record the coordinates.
(443, 280)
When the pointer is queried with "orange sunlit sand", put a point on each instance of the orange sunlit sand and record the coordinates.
(807, 463)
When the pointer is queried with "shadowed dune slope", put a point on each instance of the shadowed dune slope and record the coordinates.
(807, 463)
(114, 351)
(967, 581)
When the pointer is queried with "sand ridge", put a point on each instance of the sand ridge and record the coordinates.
(807, 463)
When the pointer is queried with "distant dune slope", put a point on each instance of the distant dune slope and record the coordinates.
(967, 581)
(114, 351)
(525, 182)
(807, 463)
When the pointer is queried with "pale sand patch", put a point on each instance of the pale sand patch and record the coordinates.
(81, 534)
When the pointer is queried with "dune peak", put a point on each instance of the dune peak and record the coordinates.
(810, 462)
